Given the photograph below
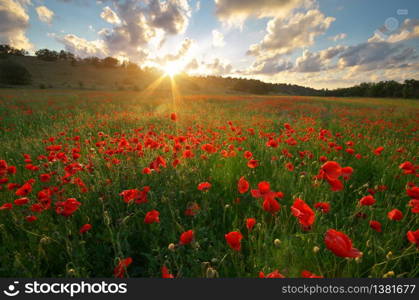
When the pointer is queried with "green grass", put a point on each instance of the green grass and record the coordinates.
(51, 246)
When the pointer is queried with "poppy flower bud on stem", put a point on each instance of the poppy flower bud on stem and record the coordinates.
(171, 247)
(71, 272)
(388, 274)
(212, 273)
(106, 218)
(45, 240)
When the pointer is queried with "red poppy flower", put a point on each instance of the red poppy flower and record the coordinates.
(413, 192)
(146, 171)
(408, 167)
(31, 218)
(208, 148)
(250, 223)
(173, 116)
(243, 185)
(395, 215)
(378, 150)
(165, 273)
(413, 237)
(21, 201)
(376, 226)
(303, 212)
(233, 239)
(347, 172)
(6, 206)
(323, 206)
(289, 166)
(203, 186)
(135, 195)
(248, 154)
(253, 163)
(68, 207)
(274, 274)
(335, 184)
(340, 244)
(271, 205)
(85, 228)
(122, 266)
(264, 188)
(152, 217)
(45, 177)
(24, 190)
(414, 204)
(332, 170)
(187, 237)
(308, 274)
(192, 209)
(367, 200)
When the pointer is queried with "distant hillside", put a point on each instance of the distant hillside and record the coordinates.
(67, 74)
(62, 70)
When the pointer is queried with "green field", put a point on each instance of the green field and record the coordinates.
(94, 145)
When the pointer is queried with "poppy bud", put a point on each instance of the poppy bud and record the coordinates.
(71, 272)
(388, 274)
(45, 240)
(211, 273)
(106, 218)
(171, 247)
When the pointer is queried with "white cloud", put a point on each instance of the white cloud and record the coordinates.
(285, 35)
(338, 37)
(217, 39)
(317, 61)
(110, 16)
(82, 47)
(409, 30)
(235, 12)
(180, 54)
(45, 14)
(14, 21)
(218, 66)
(142, 24)
(377, 55)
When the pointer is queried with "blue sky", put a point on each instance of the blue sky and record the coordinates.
(375, 40)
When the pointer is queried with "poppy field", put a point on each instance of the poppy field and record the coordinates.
(130, 184)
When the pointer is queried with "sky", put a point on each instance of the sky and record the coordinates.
(321, 44)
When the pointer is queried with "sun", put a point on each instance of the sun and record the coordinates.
(172, 68)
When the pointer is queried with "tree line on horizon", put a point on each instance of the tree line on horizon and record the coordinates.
(14, 73)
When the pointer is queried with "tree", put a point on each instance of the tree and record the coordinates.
(14, 73)
(110, 62)
(7, 50)
(47, 55)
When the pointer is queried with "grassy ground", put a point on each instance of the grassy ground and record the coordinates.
(95, 145)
